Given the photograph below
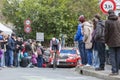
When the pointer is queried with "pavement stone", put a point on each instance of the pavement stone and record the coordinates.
(89, 71)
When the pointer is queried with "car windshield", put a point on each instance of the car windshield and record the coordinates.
(68, 52)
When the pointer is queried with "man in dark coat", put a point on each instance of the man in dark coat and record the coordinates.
(112, 39)
(10, 50)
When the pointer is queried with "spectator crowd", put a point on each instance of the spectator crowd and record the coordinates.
(98, 40)
(15, 52)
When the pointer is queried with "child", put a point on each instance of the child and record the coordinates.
(34, 59)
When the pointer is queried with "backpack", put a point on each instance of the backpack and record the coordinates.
(99, 31)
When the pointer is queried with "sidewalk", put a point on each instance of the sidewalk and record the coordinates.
(89, 71)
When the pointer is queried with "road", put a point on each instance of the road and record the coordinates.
(42, 74)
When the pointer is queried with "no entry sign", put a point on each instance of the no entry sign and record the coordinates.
(27, 22)
(27, 29)
(107, 5)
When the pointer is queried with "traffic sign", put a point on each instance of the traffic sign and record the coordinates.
(27, 29)
(107, 5)
(39, 36)
(27, 22)
(117, 4)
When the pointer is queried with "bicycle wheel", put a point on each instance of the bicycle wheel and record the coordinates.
(54, 61)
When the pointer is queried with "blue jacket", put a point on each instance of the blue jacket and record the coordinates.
(79, 35)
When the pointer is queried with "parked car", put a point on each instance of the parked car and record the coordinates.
(69, 57)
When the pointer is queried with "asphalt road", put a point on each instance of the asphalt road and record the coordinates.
(42, 74)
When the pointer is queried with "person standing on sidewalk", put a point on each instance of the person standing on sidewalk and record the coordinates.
(2, 48)
(18, 49)
(10, 49)
(79, 38)
(87, 32)
(100, 42)
(112, 39)
(96, 61)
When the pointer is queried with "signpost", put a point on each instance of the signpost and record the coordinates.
(107, 5)
(39, 36)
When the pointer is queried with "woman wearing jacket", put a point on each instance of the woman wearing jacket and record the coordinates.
(87, 32)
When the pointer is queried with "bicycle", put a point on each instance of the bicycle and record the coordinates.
(54, 58)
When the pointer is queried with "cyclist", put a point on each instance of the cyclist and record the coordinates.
(54, 44)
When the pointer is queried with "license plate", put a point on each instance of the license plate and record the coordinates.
(63, 60)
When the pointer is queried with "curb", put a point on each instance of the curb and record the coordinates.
(98, 74)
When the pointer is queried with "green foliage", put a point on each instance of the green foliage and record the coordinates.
(53, 17)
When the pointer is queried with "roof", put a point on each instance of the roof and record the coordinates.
(5, 29)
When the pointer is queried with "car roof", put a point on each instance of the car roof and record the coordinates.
(69, 48)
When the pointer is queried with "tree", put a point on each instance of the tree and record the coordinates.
(53, 17)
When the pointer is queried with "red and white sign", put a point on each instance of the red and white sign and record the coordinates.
(27, 29)
(27, 22)
(107, 5)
